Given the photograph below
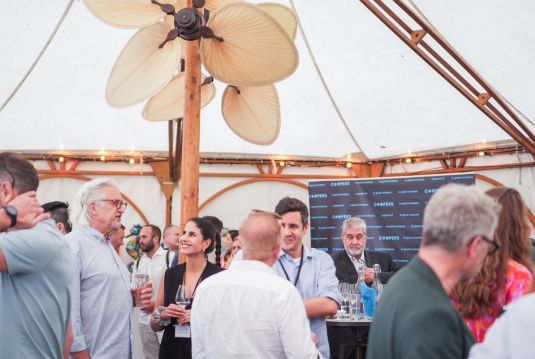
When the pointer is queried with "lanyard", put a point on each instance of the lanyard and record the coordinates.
(198, 281)
(300, 266)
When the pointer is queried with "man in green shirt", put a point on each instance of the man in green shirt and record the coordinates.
(415, 318)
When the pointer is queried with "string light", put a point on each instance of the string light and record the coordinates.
(349, 164)
(103, 158)
(408, 160)
(481, 153)
(61, 159)
(132, 160)
(282, 163)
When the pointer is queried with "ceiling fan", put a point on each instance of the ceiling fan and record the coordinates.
(249, 47)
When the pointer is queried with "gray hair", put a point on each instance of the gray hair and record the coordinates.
(90, 192)
(354, 222)
(457, 213)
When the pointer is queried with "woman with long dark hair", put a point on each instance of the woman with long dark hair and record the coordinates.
(195, 243)
(506, 274)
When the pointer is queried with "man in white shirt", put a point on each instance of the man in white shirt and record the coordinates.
(265, 312)
(154, 263)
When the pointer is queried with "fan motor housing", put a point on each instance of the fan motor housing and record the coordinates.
(188, 23)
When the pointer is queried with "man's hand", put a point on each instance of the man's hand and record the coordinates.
(368, 275)
(147, 304)
(29, 212)
(315, 339)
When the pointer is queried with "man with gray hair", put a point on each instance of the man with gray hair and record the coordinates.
(415, 318)
(265, 312)
(354, 239)
(102, 300)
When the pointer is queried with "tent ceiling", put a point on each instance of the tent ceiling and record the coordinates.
(392, 102)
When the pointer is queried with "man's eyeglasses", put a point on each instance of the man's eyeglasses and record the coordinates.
(495, 245)
(119, 204)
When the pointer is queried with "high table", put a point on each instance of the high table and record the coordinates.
(363, 324)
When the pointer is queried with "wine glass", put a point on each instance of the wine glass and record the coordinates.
(181, 298)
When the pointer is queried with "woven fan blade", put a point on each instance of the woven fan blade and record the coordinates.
(253, 114)
(168, 104)
(142, 68)
(126, 13)
(256, 50)
(283, 15)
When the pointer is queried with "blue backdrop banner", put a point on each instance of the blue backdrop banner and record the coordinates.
(392, 208)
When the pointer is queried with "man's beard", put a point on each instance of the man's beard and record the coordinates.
(148, 247)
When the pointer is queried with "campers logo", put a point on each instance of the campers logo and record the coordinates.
(318, 195)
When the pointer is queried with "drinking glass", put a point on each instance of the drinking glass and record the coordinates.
(182, 299)
(140, 283)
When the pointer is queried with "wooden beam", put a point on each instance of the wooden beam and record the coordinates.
(443, 164)
(189, 188)
(362, 170)
(161, 172)
(523, 135)
(73, 165)
(462, 162)
(51, 165)
(260, 169)
(377, 169)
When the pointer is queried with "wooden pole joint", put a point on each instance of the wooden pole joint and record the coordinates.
(483, 98)
(417, 36)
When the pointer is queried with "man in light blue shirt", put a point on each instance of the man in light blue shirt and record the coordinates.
(102, 300)
(310, 270)
(35, 269)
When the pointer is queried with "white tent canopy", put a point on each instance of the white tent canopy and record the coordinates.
(53, 84)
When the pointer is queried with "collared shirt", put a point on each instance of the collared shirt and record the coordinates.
(35, 293)
(357, 262)
(102, 301)
(512, 335)
(155, 267)
(317, 279)
(265, 314)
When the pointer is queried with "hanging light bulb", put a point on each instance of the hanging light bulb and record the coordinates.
(103, 158)
(408, 160)
(481, 153)
(132, 160)
(349, 164)
(282, 163)
(61, 159)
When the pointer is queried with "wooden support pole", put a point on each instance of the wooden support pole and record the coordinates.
(189, 187)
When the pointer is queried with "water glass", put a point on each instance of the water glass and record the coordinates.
(140, 282)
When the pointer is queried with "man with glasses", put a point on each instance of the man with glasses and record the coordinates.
(415, 318)
(35, 269)
(346, 262)
(102, 300)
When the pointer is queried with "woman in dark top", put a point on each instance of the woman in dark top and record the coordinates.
(196, 241)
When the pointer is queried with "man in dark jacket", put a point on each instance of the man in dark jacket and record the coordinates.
(346, 262)
(415, 318)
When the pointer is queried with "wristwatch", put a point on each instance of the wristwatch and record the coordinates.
(12, 214)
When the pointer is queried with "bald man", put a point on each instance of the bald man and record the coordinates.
(266, 312)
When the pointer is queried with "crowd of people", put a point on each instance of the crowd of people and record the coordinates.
(65, 292)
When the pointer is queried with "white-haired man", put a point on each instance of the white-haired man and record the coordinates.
(415, 318)
(102, 301)
(265, 312)
(354, 237)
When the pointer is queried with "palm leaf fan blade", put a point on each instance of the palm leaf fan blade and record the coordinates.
(256, 50)
(143, 68)
(126, 13)
(283, 15)
(168, 104)
(252, 113)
